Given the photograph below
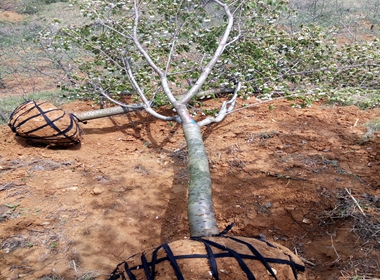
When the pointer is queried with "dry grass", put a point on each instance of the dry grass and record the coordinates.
(364, 212)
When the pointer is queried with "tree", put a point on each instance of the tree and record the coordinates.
(128, 49)
(167, 51)
(171, 49)
(176, 56)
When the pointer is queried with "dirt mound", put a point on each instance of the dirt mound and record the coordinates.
(9, 15)
(289, 175)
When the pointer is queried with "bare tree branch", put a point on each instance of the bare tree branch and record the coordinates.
(147, 104)
(175, 36)
(226, 108)
(158, 70)
(127, 108)
(115, 30)
(102, 92)
(218, 52)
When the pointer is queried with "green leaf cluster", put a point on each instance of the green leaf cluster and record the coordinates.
(267, 54)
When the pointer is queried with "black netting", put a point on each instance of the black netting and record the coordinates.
(124, 272)
(32, 109)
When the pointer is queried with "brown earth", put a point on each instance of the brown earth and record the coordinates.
(285, 173)
(10, 15)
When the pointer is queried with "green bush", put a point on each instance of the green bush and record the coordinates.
(29, 7)
(55, 1)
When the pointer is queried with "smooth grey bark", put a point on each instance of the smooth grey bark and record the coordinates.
(202, 221)
(107, 112)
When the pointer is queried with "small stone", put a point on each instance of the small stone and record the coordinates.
(290, 207)
(97, 191)
(306, 221)
(223, 271)
(262, 236)
(268, 205)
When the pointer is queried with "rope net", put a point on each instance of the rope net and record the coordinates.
(42, 122)
(221, 257)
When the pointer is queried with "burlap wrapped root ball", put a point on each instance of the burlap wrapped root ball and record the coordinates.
(224, 257)
(42, 122)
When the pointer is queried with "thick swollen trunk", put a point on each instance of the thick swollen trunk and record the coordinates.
(200, 211)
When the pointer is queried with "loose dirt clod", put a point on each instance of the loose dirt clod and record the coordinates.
(97, 190)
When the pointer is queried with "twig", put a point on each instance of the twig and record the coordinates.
(223, 41)
(258, 103)
(35, 230)
(348, 29)
(306, 261)
(355, 201)
(102, 92)
(226, 108)
(338, 256)
(356, 122)
(3, 116)
(75, 267)
(303, 259)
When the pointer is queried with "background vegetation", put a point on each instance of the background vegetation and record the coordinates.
(304, 49)
(25, 66)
